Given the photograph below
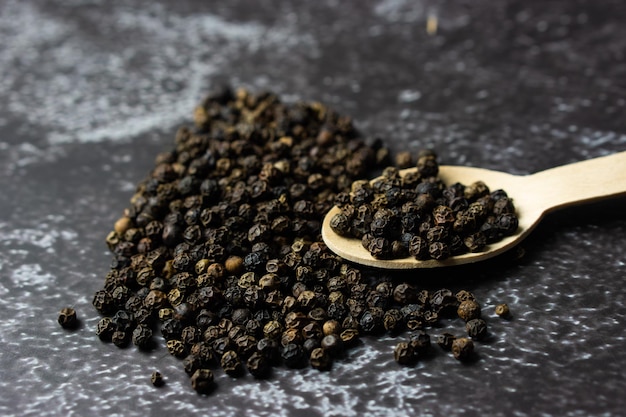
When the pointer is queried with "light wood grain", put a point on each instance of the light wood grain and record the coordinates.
(534, 196)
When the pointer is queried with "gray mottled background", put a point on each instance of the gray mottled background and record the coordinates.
(91, 90)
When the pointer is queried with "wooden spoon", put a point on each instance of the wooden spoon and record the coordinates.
(533, 195)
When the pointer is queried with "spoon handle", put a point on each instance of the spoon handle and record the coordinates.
(580, 182)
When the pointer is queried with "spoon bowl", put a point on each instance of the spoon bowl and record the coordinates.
(534, 196)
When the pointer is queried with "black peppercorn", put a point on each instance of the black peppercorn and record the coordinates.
(420, 342)
(105, 329)
(445, 340)
(340, 223)
(476, 329)
(372, 321)
(258, 365)
(103, 302)
(202, 381)
(142, 336)
(269, 348)
(403, 353)
(404, 293)
(502, 310)
(176, 348)
(438, 250)
(67, 318)
(157, 379)
(191, 364)
(231, 363)
(468, 310)
(120, 338)
(294, 356)
(171, 328)
(333, 344)
(418, 248)
(462, 348)
(320, 359)
(393, 321)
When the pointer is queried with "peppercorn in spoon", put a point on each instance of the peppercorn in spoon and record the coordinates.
(534, 196)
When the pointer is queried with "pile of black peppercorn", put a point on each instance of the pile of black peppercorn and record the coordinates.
(220, 248)
(417, 215)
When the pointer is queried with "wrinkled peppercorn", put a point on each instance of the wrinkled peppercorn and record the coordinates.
(202, 381)
(157, 379)
(294, 356)
(462, 348)
(142, 336)
(105, 329)
(420, 342)
(468, 310)
(320, 359)
(445, 340)
(403, 353)
(67, 318)
(258, 365)
(476, 329)
(231, 363)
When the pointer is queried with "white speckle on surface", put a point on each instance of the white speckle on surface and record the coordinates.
(30, 274)
(198, 46)
(43, 237)
(409, 96)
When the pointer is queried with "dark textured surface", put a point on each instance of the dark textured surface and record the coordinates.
(92, 90)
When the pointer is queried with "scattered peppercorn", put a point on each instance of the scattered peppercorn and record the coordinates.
(468, 310)
(157, 379)
(462, 348)
(320, 359)
(202, 381)
(476, 329)
(502, 310)
(67, 318)
(403, 353)
(445, 341)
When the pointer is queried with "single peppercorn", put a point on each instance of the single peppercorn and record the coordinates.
(462, 348)
(468, 310)
(331, 327)
(340, 223)
(393, 321)
(258, 366)
(270, 350)
(202, 381)
(320, 359)
(176, 348)
(445, 341)
(105, 329)
(476, 329)
(420, 342)
(157, 379)
(231, 364)
(67, 318)
(191, 364)
(333, 344)
(120, 338)
(403, 353)
(502, 310)
(103, 302)
(294, 356)
(142, 336)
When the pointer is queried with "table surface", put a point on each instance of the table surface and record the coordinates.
(92, 90)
